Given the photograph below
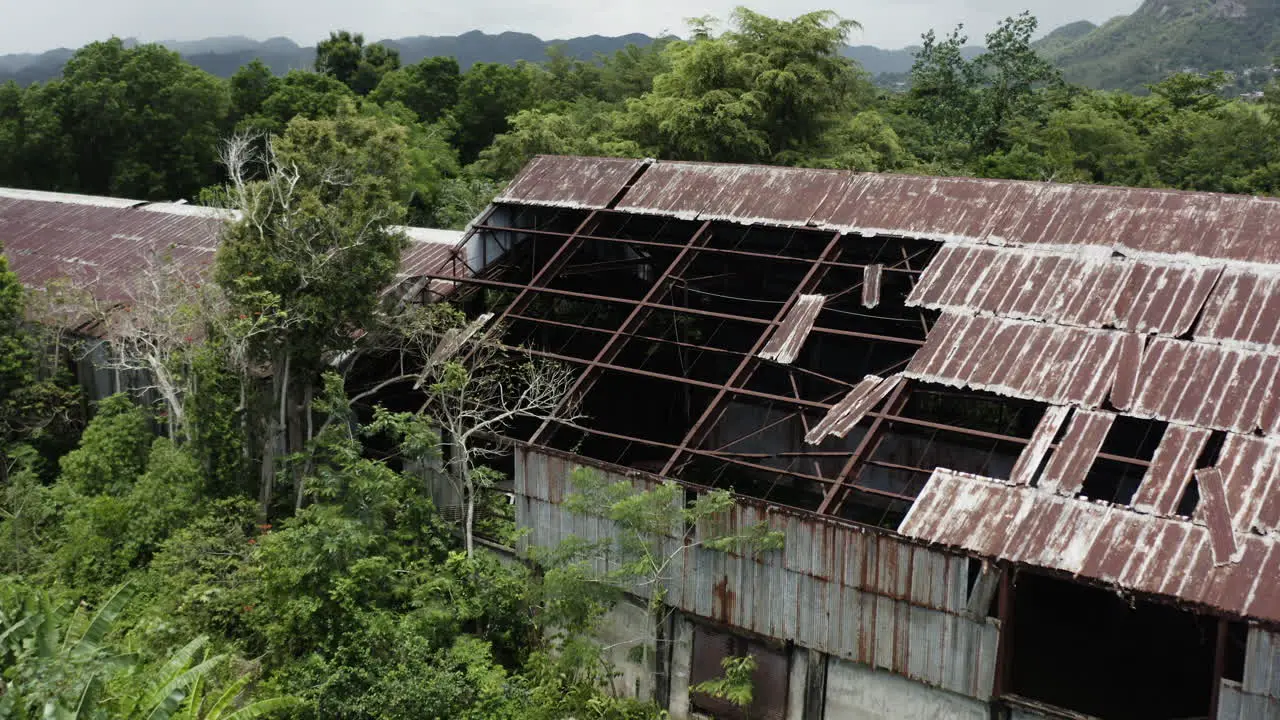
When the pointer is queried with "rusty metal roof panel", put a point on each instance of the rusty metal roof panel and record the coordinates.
(784, 347)
(1243, 309)
(104, 244)
(1081, 289)
(747, 194)
(1171, 469)
(1070, 463)
(847, 413)
(1164, 556)
(572, 182)
(1053, 364)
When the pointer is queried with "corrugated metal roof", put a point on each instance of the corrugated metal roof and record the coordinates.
(103, 243)
(794, 329)
(996, 212)
(748, 194)
(1077, 289)
(1102, 302)
(1173, 557)
(1053, 364)
(573, 182)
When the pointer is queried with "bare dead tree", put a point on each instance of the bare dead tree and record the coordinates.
(475, 390)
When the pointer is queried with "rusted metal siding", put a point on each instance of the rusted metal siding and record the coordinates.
(846, 591)
(1115, 545)
(572, 182)
(1257, 697)
(1236, 704)
(784, 347)
(1079, 289)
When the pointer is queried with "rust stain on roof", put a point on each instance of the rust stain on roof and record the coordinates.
(794, 329)
(104, 244)
(1066, 470)
(749, 194)
(573, 182)
(1052, 364)
(1172, 557)
(1080, 289)
(1215, 514)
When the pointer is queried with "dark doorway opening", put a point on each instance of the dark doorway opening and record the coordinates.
(1092, 651)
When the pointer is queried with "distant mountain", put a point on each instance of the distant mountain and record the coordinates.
(222, 56)
(879, 61)
(1059, 39)
(1165, 36)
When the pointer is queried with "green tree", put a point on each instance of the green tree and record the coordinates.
(969, 106)
(139, 122)
(251, 85)
(584, 128)
(765, 91)
(304, 266)
(428, 88)
(300, 93)
(489, 94)
(346, 58)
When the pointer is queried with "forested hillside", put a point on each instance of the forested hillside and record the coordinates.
(222, 56)
(253, 538)
(1168, 36)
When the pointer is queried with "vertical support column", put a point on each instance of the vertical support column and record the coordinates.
(817, 271)
(1219, 667)
(664, 644)
(815, 686)
(797, 672)
(681, 666)
(1003, 679)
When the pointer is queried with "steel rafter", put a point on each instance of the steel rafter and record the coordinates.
(812, 278)
(634, 320)
(660, 306)
(710, 250)
(866, 447)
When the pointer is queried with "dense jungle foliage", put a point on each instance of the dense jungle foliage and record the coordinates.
(251, 537)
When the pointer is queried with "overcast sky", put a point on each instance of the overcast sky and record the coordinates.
(36, 25)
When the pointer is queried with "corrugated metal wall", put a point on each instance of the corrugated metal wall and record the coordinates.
(1258, 696)
(851, 593)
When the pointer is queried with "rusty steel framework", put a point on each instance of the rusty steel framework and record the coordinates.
(682, 312)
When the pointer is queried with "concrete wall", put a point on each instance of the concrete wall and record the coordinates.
(857, 692)
(627, 627)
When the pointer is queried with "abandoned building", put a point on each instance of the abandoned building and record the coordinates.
(1021, 437)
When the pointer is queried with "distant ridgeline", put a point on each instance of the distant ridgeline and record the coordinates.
(1127, 52)
(222, 56)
